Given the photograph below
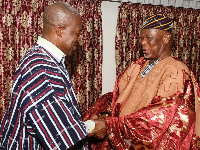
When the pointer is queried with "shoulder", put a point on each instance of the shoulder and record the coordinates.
(173, 68)
(35, 53)
(173, 64)
(36, 56)
(36, 61)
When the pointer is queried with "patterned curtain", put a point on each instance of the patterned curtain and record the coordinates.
(186, 36)
(87, 75)
(20, 25)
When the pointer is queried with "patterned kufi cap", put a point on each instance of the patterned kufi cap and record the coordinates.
(158, 21)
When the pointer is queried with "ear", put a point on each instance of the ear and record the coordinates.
(59, 31)
(167, 37)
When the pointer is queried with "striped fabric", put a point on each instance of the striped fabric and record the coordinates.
(43, 111)
(158, 21)
(148, 68)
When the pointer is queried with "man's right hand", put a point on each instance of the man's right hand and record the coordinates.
(100, 130)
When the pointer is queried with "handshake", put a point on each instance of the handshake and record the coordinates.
(99, 130)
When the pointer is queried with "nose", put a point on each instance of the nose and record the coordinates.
(143, 41)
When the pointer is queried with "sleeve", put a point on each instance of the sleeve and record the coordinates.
(49, 110)
(165, 123)
(195, 143)
(102, 105)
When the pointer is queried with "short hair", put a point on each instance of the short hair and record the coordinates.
(57, 13)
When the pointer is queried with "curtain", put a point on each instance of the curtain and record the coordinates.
(87, 76)
(20, 25)
(186, 35)
(177, 3)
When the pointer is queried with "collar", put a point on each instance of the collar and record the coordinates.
(149, 67)
(51, 48)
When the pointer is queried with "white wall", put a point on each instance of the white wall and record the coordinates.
(109, 22)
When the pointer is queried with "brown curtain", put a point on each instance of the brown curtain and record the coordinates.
(20, 25)
(186, 36)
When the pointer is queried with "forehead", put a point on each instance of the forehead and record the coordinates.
(76, 21)
(74, 24)
(152, 32)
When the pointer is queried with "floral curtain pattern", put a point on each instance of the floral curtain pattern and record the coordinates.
(21, 24)
(186, 35)
(87, 75)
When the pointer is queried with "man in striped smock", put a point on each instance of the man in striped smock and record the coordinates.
(43, 111)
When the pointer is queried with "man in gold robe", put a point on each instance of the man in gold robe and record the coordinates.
(155, 102)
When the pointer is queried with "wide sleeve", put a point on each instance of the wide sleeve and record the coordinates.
(165, 123)
(102, 105)
(49, 107)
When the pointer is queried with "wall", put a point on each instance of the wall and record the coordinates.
(109, 22)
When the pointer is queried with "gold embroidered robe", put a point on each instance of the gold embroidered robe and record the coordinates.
(154, 112)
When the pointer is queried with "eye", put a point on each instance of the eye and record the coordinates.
(148, 37)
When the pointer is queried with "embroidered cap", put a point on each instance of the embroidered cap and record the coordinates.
(158, 21)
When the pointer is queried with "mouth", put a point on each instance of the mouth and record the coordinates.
(145, 50)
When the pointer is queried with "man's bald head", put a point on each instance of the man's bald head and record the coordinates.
(62, 26)
(58, 14)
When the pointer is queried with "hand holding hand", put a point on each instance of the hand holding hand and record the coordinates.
(100, 129)
(95, 117)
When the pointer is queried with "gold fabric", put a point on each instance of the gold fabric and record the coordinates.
(163, 122)
(165, 79)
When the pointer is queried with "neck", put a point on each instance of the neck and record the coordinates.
(161, 58)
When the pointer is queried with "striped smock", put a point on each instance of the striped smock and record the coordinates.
(43, 112)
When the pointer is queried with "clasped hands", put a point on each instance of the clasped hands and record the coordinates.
(100, 130)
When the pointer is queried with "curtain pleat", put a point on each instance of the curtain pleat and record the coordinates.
(186, 35)
(87, 76)
(21, 24)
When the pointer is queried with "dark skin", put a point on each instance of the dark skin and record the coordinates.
(63, 34)
(156, 44)
(100, 130)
